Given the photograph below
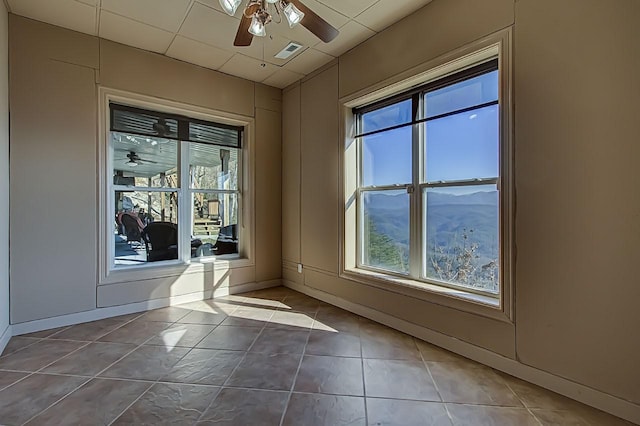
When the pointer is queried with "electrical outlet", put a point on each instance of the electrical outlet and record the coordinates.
(299, 268)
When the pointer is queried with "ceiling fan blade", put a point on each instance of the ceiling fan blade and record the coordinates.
(314, 23)
(243, 36)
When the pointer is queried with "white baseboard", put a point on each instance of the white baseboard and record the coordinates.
(592, 397)
(5, 337)
(114, 311)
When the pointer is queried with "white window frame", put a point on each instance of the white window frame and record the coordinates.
(500, 307)
(109, 273)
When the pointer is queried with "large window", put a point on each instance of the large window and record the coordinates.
(428, 183)
(175, 191)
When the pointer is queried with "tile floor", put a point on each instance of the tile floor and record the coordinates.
(271, 357)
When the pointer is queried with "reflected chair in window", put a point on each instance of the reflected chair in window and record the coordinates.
(161, 241)
(131, 227)
(227, 241)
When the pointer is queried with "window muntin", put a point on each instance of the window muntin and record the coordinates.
(449, 230)
(151, 173)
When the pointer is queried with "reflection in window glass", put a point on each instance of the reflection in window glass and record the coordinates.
(386, 157)
(474, 91)
(389, 116)
(385, 230)
(213, 167)
(462, 241)
(144, 161)
(463, 146)
(137, 211)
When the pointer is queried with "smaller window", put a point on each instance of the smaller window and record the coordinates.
(175, 186)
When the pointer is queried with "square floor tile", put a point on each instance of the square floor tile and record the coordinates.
(434, 353)
(38, 355)
(136, 332)
(176, 404)
(291, 320)
(585, 417)
(231, 338)
(28, 397)
(242, 407)
(333, 344)
(45, 333)
(204, 366)
(146, 363)
(385, 343)
(471, 385)
(8, 378)
(182, 335)
(335, 319)
(398, 412)
(99, 402)
(332, 375)
(89, 331)
(280, 341)
(302, 303)
(91, 359)
(18, 343)
(398, 379)
(209, 317)
(249, 317)
(168, 314)
(264, 371)
(324, 410)
(480, 415)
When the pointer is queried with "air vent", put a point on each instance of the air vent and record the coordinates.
(289, 50)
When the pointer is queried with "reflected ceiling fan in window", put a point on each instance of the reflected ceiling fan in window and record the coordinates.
(134, 160)
(258, 13)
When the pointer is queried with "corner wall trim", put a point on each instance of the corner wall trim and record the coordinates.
(5, 337)
(113, 311)
(595, 398)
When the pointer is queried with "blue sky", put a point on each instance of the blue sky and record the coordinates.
(460, 146)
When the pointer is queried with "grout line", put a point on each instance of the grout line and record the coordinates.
(364, 384)
(295, 377)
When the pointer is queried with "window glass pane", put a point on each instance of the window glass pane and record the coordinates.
(462, 244)
(144, 161)
(389, 116)
(214, 224)
(385, 230)
(144, 215)
(386, 157)
(463, 146)
(468, 93)
(213, 167)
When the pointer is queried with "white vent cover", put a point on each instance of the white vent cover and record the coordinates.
(289, 50)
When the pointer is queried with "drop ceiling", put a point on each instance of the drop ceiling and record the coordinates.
(199, 32)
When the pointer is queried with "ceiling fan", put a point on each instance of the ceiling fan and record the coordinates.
(258, 13)
(134, 160)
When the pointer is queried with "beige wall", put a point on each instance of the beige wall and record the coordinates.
(4, 169)
(55, 76)
(578, 211)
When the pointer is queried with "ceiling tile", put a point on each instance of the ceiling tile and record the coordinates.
(89, 2)
(331, 16)
(165, 14)
(308, 61)
(384, 13)
(350, 35)
(64, 13)
(124, 30)
(249, 68)
(198, 53)
(217, 29)
(350, 8)
(282, 78)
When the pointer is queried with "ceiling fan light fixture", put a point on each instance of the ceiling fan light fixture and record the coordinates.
(257, 27)
(132, 163)
(293, 15)
(230, 6)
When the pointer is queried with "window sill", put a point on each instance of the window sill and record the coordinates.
(174, 268)
(458, 299)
